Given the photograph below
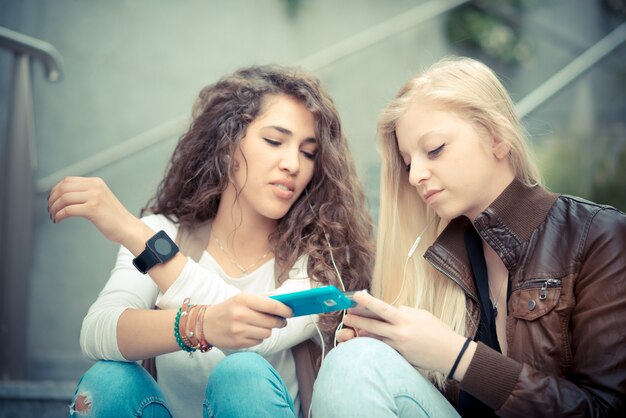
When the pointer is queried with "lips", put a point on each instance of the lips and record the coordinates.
(430, 194)
(283, 188)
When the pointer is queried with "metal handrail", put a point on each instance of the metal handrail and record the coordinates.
(316, 61)
(43, 51)
(572, 71)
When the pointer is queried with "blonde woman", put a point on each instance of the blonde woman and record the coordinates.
(512, 299)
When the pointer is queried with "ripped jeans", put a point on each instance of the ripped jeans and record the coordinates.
(241, 385)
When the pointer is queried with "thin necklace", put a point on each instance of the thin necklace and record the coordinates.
(495, 304)
(234, 262)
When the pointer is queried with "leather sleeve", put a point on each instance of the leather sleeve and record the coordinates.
(595, 384)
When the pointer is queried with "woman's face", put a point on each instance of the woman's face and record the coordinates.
(456, 168)
(276, 158)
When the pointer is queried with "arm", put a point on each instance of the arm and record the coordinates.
(121, 321)
(121, 324)
(595, 384)
(90, 198)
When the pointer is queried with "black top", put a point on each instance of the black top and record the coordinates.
(486, 333)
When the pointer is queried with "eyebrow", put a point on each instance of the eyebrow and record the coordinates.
(420, 138)
(289, 133)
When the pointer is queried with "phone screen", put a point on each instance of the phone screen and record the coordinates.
(315, 301)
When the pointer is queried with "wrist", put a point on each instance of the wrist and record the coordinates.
(463, 360)
(135, 236)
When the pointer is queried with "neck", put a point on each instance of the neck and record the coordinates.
(243, 233)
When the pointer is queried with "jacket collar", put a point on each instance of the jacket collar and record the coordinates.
(506, 224)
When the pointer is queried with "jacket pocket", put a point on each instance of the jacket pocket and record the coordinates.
(535, 298)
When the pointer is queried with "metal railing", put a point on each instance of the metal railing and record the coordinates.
(17, 189)
(316, 61)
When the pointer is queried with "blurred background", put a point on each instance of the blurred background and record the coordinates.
(104, 88)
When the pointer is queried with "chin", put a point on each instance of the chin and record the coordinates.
(448, 215)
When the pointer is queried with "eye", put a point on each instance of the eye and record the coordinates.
(408, 167)
(434, 153)
(309, 155)
(272, 142)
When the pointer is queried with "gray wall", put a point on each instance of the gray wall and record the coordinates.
(132, 65)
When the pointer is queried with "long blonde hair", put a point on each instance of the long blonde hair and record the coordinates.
(472, 91)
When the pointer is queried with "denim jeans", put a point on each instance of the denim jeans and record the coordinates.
(241, 385)
(365, 377)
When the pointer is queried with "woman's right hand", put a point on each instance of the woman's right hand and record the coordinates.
(91, 198)
(345, 334)
(243, 321)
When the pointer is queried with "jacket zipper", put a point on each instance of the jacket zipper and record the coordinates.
(458, 282)
(545, 284)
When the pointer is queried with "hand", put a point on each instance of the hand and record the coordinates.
(243, 321)
(90, 198)
(345, 334)
(421, 338)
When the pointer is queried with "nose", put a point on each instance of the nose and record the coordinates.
(290, 160)
(418, 173)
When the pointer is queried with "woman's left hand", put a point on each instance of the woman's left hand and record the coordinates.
(91, 198)
(421, 338)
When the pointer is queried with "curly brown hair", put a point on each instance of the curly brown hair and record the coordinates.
(333, 211)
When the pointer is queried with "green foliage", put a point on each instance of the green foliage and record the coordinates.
(492, 27)
(592, 168)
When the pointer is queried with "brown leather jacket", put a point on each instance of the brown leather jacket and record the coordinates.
(566, 325)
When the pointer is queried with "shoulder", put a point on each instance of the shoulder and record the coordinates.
(601, 227)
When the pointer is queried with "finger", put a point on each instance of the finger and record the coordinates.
(270, 306)
(65, 186)
(245, 335)
(68, 199)
(368, 325)
(363, 333)
(386, 311)
(345, 334)
(266, 321)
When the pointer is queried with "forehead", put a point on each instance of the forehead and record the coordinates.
(287, 115)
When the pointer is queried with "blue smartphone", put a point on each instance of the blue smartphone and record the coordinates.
(315, 301)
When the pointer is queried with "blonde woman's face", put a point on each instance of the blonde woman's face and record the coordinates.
(455, 168)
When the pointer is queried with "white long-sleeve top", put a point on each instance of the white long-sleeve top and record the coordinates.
(183, 379)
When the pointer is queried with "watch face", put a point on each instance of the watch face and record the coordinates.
(162, 246)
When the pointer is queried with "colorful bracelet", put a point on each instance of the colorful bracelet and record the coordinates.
(458, 358)
(204, 345)
(179, 331)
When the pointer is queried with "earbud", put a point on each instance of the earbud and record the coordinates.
(418, 239)
(414, 246)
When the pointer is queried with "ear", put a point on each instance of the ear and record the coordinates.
(500, 148)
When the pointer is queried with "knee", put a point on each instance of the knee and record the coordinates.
(240, 365)
(352, 362)
(355, 353)
(108, 383)
(239, 369)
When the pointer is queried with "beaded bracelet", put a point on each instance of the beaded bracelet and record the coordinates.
(180, 342)
(179, 331)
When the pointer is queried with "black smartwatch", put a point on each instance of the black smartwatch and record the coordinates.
(159, 249)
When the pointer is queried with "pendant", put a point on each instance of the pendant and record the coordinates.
(495, 310)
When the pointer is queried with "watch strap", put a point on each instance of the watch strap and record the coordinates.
(145, 261)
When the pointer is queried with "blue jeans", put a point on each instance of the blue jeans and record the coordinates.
(241, 385)
(365, 377)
